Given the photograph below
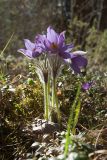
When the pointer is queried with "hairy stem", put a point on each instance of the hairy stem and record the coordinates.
(46, 101)
(55, 99)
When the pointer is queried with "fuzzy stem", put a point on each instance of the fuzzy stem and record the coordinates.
(55, 98)
(53, 93)
(46, 101)
(57, 107)
(49, 100)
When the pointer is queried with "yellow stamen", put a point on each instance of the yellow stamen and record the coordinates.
(54, 46)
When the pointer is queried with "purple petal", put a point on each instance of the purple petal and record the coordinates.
(31, 54)
(40, 42)
(64, 52)
(78, 62)
(79, 53)
(65, 55)
(68, 47)
(47, 44)
(87, 85)
(40, 38)
(39, 50)
(29, 45)
(52, 36)
(61, 39)
(36, 53)
(75, 68)
(27, 53)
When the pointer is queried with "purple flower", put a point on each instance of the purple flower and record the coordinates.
(55, 43)
(39, 40)
(87, 85)
(78, 61)
(32, 49)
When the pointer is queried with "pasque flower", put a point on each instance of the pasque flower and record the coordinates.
(54, 43)
(87, 85)
(51, 53)
(78, 61)
(32, 50)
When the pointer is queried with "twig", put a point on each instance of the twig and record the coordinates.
(96, 142)
(103, 151)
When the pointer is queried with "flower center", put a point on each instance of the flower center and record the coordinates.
(33, 49)
(54, 46)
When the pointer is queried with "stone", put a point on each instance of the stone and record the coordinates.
(35, 146)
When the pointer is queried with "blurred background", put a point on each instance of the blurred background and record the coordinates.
(84, 20)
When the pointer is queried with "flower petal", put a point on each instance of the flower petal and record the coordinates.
(79, 53)
(75, 68)
(40, 38)
(48, 45)
(37, 52)
(68, 47)
(29, 45)
(27, 53)
(40, 42)
(65, 55)
(87, 85)
(61, 39)
(78, 62)
(52, 36)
